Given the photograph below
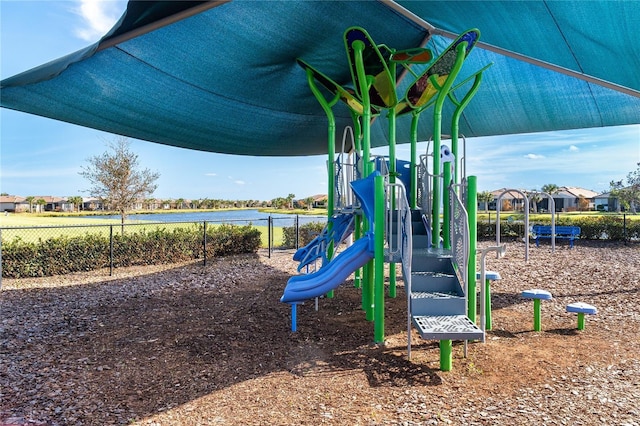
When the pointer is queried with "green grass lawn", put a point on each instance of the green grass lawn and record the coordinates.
(43, 227)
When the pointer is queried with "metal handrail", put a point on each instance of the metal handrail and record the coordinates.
(403, 242)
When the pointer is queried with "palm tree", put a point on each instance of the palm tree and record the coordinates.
(30, 199)
(290, 198)
(485, 197)
(41, 203)
(309, 202)
(76, 201)
(534, 198)
(551, 189)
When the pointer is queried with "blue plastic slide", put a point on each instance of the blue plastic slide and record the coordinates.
(338, 228)
(303, 287)
(332, 274)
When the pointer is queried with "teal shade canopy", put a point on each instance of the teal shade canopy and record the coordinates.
(223, 76)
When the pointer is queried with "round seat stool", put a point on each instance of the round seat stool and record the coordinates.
(581, 309)
(537, 295)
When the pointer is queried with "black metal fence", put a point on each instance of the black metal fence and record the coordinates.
(116, 245)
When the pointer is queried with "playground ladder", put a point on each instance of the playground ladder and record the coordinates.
(436, 285)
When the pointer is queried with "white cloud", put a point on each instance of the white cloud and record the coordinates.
(98, 17)
(574, 148)
(211, 174)
(239, 182)
(534, 156)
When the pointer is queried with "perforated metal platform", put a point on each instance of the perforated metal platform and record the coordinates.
(434, 295)
(447, 327)
(432, 274)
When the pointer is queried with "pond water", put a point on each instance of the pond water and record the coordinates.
(236, 217)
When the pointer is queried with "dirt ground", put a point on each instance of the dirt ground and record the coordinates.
(193, 345)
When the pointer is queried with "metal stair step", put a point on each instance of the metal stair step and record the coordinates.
(437, 303)
(424, 260)
(446, 327)
(435, 281)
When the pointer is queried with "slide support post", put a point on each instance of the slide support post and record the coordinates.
(379, 259)
(294, 317)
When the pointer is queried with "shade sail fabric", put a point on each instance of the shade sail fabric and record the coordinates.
(223, 77)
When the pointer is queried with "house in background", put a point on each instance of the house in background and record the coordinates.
(567, 199)
(320, 201)
(571, 199)
(92, 204)
(13, 204)
(510, 200)
(607, 202)
(53, 204)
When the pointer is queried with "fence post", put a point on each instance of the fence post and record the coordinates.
(110, 250)
(204, 242)
(297, 233)
(624, 227)
(1, 269)
(269, 224)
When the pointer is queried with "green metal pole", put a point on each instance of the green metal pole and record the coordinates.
(331, 149)
(537, 316)
(580, 321)
(443, 92)
(446, 355)
(472, 211)
(365, 83)
(487, 304)
(392, 179)
(357, 138)
(413, 196)
(446, 199)
(379, 260)
(357, 233)
(455, 122)
(435, 187)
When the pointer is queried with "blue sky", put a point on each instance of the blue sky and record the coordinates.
(40, 156)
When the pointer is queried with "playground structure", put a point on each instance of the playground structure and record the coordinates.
(403, 211)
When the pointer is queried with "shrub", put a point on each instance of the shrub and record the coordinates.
(226, 240)
(63, 255)
(307, 232)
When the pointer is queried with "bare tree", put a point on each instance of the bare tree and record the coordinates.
(116, 179)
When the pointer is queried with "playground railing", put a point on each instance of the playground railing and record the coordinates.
(399, 240)
(345, 173)
(424, 186)
(459, 236)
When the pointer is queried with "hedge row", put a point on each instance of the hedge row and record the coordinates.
(65, 255)
(591, 228)
(306, 233)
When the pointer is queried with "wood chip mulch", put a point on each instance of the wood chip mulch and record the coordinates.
(186, 344)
